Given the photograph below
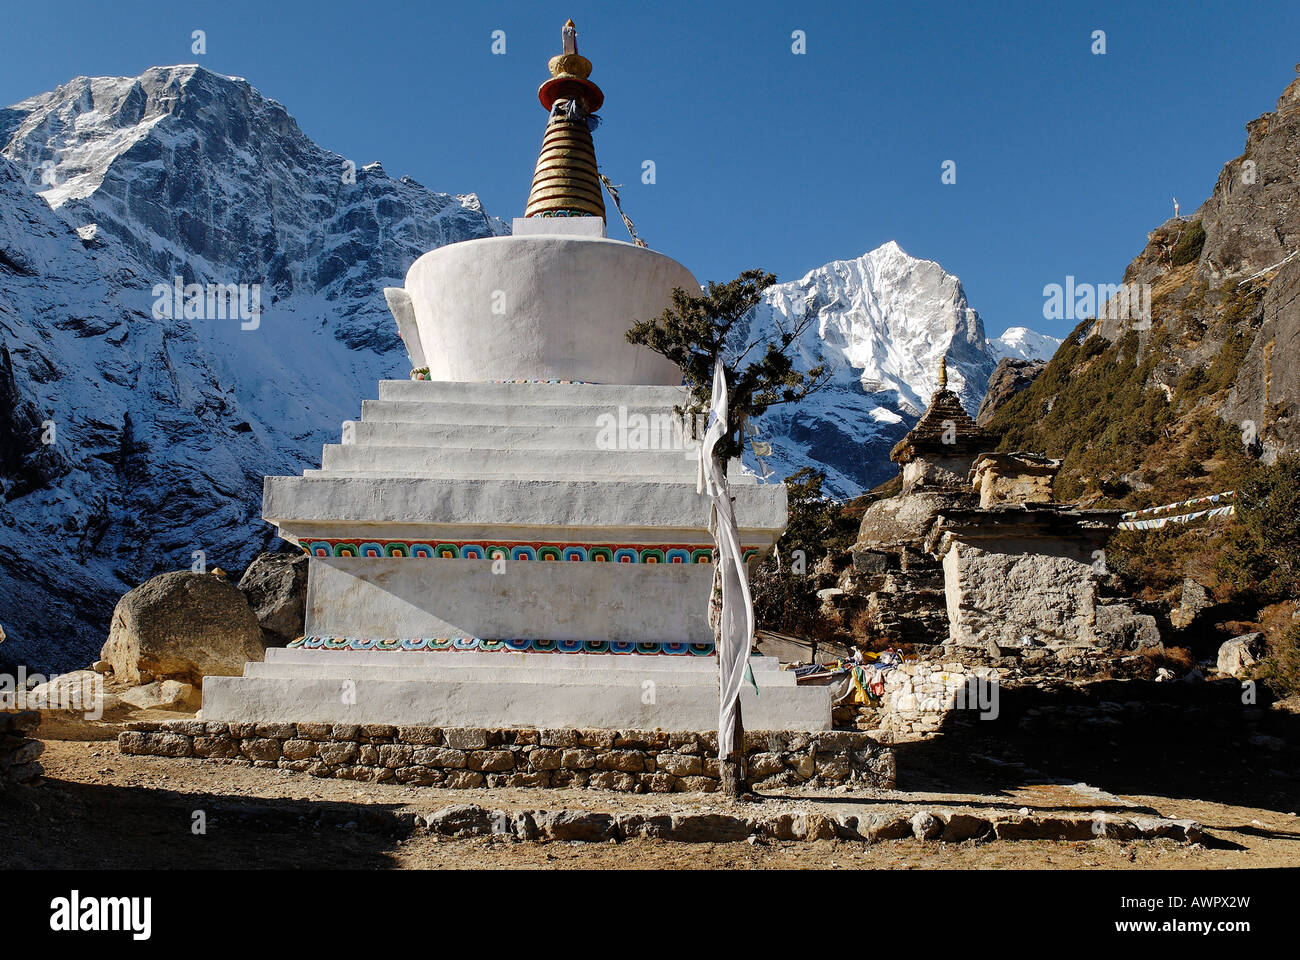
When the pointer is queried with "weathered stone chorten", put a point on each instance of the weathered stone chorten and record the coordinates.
(513, 537)
(974, 555)
(939, 450)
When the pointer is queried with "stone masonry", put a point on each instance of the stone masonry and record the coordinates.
(634, 761)
(921, 695)
(19, 751)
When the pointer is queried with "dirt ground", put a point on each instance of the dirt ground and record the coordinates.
(98, 808)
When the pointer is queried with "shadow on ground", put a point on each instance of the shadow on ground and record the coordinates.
(67, 825)
(1179, 740)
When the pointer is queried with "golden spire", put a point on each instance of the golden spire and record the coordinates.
(566, 182)
(943, 372)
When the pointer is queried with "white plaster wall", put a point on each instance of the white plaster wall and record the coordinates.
(565, 302)
(410, 598)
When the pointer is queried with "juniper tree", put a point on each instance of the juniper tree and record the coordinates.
(694, 333)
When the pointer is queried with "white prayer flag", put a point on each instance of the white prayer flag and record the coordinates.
(737, 616)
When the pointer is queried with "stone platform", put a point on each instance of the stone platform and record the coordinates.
(502, 688)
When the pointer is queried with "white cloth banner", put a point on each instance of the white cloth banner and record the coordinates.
(1159, 523)
(737, 616)
(1182, 504)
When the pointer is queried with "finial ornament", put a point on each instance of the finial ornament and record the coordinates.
(566, 181)
(943, 372)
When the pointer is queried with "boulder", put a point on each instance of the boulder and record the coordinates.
(163, 695)
(76, 695)
(1239, 654)
(182, 626)
(1119, 626)
(275, 585)
(1195, 600)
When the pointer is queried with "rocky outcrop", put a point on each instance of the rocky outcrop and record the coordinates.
(182, 626)
(1266, 392)
(1009, 377)
(1240, 654)
(1252, 220)
(275, 585)
(29, 457)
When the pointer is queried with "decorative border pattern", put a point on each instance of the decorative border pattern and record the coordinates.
(455, 644)
(486, 549)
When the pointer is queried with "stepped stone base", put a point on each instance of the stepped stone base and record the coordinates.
(505, 689)
(639, 761)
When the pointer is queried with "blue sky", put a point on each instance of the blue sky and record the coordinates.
(1064, 159)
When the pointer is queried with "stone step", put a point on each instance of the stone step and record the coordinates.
(547, 436)
(674, 705)
(419, 508)
(559, 661)
(427, 391)
(468, 412)
(443, 666)
(664, 466)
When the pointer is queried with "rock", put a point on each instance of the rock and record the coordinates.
(1121, 627)
(102, 666)
(163, 695)
(182, 626)
(78, 694)
(275, 585)
(678, 766)
(708, 828)
(926, 826)
(575, 825)
(963, 826)
(463, 820)
(1238, 655)
(1044, 828)
(1195, 599)
(1010, 376)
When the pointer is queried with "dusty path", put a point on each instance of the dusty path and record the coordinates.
(98, 808)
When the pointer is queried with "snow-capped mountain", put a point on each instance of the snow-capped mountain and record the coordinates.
(1021, 343)
(134, 437)
(161, 428)
(883, 322)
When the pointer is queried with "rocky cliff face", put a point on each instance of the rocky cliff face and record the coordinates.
(1010, 376)
(1162, 405)
(132, 443)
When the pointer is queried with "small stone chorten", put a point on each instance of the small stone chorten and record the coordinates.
(940, 449)
(566, 182)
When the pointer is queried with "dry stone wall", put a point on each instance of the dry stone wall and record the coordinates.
(921, 695)
(19, 752)
(465, 757)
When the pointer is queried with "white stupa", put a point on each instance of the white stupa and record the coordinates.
(513, 536)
